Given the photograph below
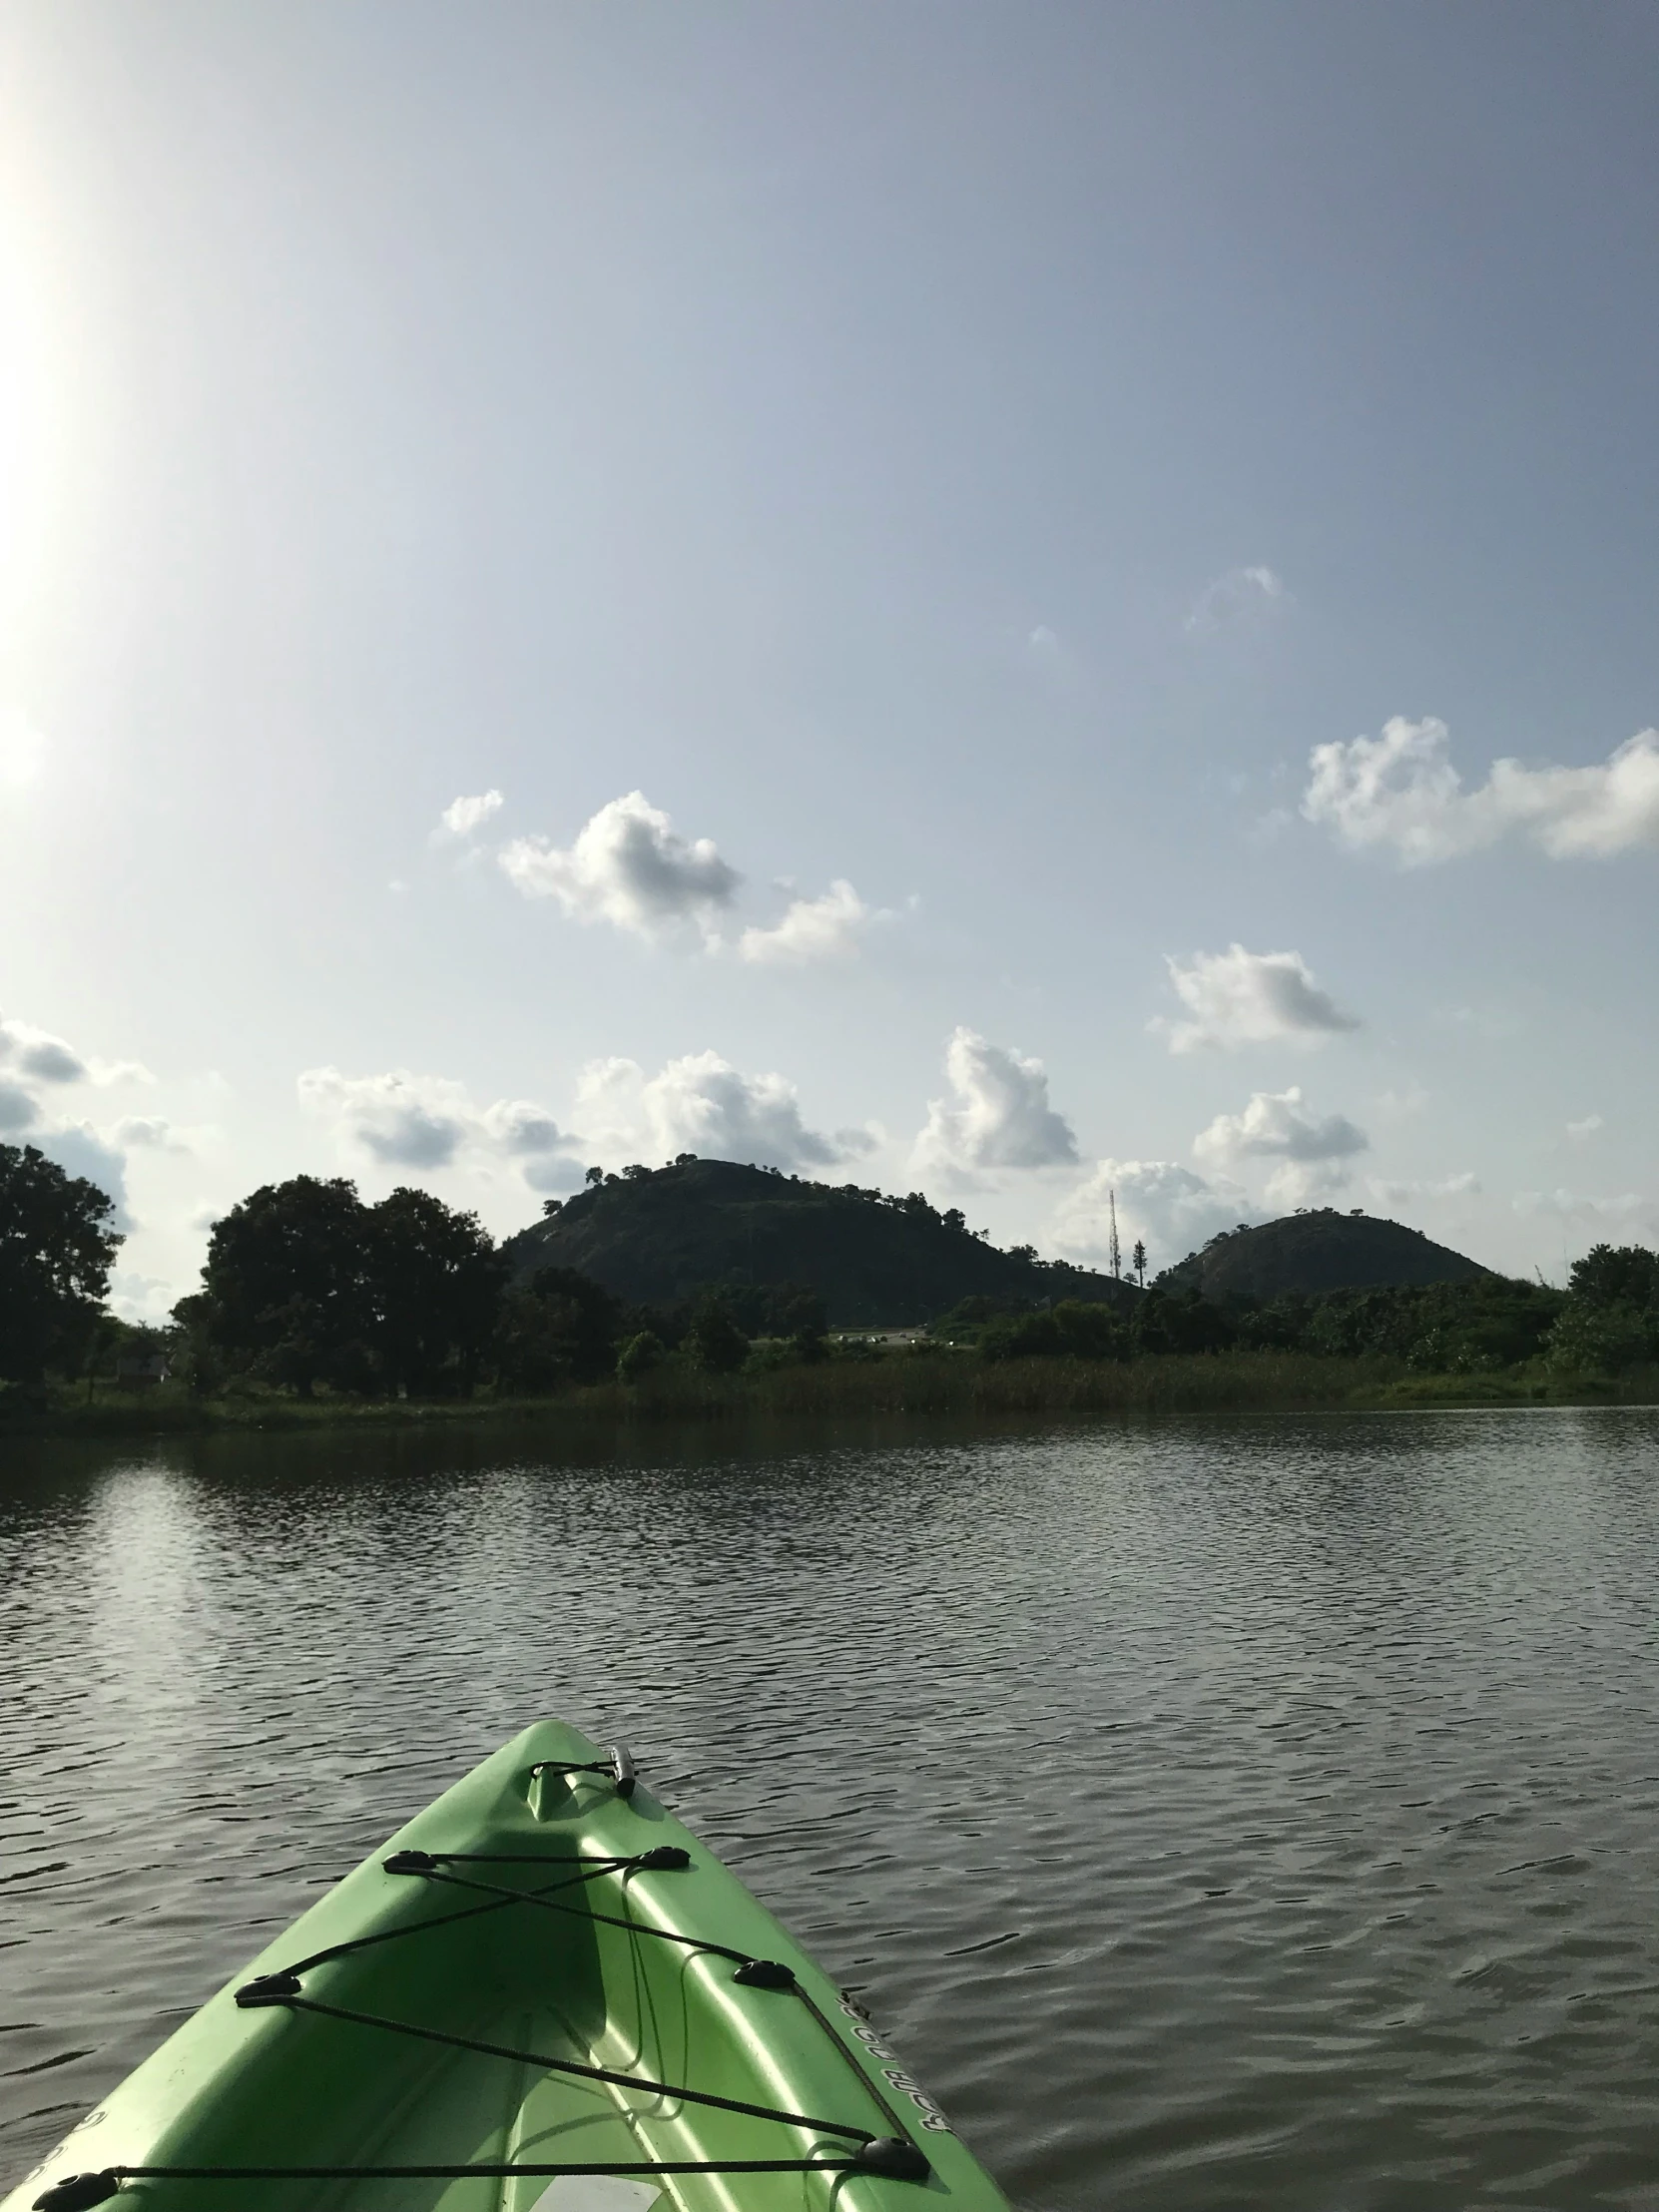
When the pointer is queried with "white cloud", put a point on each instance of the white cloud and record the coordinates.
(22, 749)
(36, 1052)
(1627, 1213)
(148, 1132)
(701, 1104)
(999, 1117)
(1276, 1125)
(858, 1142)
(1173, 1209)
(813, 929)
(464, 818)
(553, 1172)
(1466, 1185)
(141, 1297)
(607, 1107)
(1242, 597)
(1237, 998)
(402, 1120)
(1581, 1132)
(36, 1055)
(34, 1062)
(529, 1134)
(627, 867)
(17, 1109)
(520, 1126)
(1401, 1104)
(79, 1150)
(1401, 790)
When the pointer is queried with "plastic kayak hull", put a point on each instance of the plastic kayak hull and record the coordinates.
(541, 1996)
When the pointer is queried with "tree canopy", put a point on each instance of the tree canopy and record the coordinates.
(55, 1250)
(306, 1283)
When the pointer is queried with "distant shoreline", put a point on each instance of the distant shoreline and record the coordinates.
(911, 1383)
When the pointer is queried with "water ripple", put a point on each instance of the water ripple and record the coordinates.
(1218, 1815)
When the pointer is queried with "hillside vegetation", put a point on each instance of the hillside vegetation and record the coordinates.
(661, 1238)
(317, 1305)
(1304, 1254)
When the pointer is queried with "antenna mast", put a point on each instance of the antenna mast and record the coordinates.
(1117, 1255)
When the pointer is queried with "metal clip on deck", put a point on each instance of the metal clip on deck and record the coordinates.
(618, 1763)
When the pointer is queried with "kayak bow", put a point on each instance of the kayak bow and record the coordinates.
(541, 1996)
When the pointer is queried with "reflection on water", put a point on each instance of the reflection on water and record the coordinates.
(1218, 1815)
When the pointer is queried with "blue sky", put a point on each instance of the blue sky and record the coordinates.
(1055, 513)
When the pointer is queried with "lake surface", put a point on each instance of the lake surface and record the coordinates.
(1216, 1814)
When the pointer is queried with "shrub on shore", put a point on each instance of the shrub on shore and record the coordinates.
(903, 1383)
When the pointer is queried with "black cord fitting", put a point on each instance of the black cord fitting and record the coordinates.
(268, 1989)
(892, 2159)
(76, 2191)
(410, 1861)
(665, 1858)
(765, 1973)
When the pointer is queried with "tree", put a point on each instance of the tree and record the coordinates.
(287, 1282)
(593, 1177)
(435, 1281)
(643, 1352)
(56, 1249)
(713, 1340)
(1602, 1339)
(1616, 1275)
(559, 1328)
(197, 1358)
(1072, 1329)
(1180, 1322)
(1137, 1260)
(1611, 1317)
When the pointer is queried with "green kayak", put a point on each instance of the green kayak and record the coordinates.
(542, 1995)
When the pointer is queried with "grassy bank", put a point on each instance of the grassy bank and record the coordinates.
(913, 1382)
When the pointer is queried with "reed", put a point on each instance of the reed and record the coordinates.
(919, 1383)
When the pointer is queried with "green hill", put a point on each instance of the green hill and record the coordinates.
(658, 1238)
(1317, 1251)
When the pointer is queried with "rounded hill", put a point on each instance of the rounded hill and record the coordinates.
(1317, 1251)
(658, 1238)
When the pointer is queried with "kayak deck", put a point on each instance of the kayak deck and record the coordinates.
(542, 1972)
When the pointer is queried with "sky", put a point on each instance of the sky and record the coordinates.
(1019, 603)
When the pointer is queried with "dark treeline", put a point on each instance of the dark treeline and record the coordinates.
(306, 1284)
(57, 1246)
(308, 1288)
(1605, 1321)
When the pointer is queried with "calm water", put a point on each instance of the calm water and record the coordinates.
(1261, 1813)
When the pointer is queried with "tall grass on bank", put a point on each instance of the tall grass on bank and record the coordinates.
(944, 1383)
(911, 1383)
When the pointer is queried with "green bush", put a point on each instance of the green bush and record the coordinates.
(640, 1355)
(714, 1341)
(1602, 1339)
